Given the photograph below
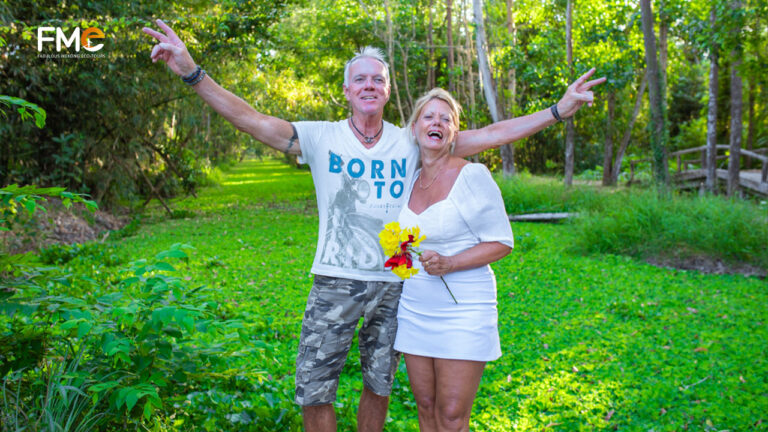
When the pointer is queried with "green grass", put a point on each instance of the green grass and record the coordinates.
(590, 342)
(640, 223)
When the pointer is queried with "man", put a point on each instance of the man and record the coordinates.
(360, 167)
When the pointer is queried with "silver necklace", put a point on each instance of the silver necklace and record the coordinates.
(368, 139)
(421, 181)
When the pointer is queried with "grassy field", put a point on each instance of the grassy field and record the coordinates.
(595, 342)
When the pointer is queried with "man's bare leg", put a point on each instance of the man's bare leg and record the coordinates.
(372, 411)
(320, 418)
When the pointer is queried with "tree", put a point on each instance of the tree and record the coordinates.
(628, 134)
(711, 155)
(507, 154)
(508, 150)
(658, 128)
(449, 37)
(570, 131)
(391, 57)
(734, 160)
(118, 119)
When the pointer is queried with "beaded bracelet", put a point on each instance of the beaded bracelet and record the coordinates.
(197, 79)
(555, 114)
(193, 75)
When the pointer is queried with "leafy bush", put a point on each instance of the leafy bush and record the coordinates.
(145, 339)
(59, 254)
(641, 223)
(63, 403)
(529, 194)
(119, 345)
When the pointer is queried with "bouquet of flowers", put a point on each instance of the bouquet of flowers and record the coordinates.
(398, 245)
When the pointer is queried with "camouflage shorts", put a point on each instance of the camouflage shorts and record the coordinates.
(334, 308)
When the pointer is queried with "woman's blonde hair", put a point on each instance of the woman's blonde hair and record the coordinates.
(440, 94)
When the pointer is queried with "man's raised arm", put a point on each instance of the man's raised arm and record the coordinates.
(272, 131)
(474, 141)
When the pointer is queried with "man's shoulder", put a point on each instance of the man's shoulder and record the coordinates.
(317, 124)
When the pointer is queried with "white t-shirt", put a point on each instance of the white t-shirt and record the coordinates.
(358, 190)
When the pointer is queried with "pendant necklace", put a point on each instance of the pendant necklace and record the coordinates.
(368, 139)
(421, 181)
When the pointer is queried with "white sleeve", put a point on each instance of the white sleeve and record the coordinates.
(309, 136)
(479, 201)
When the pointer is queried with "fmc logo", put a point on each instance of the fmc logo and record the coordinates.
(79, 39)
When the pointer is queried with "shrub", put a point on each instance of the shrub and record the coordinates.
(528, 194)
(142, 341)
(641, 223)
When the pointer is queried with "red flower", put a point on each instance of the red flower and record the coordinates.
(404, 245)
(400, 260)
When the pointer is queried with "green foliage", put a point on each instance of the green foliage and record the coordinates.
(59, 254)
(119, 117)
(30, 199)
(63, 403)
(592, 342)
(642, 224)
(38, 114)
(530, 194)
(145, 337)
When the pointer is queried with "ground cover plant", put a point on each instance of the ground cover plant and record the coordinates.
(591, 342)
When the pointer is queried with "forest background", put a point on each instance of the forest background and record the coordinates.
(137, 331)
(117, 123)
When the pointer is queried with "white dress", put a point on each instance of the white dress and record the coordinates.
(429, 322)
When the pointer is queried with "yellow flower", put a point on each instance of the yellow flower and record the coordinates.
(392, 239)
(389, 238)
(404, 272)
(414, 231)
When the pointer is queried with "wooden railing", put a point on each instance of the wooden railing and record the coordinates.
(684, 165)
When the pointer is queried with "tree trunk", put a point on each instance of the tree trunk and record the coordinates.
(711, 182)
(469, 55)
(663, 49)
(736, 127)
(734, 159)
(391, 56)
(750, 120)
(512, 73)
(616, 169)
(508, 150)
(487, 80)
(431, 51)
(658, 128)
(482, 61)
(449, 36)
(404, 53)
(608, 150)
(570, 133)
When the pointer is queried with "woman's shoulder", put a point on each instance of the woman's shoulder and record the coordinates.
(476, 172)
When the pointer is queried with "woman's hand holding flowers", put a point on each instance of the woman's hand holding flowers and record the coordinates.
(436, 264)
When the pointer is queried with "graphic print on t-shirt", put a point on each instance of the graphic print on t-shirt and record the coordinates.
(352, 236)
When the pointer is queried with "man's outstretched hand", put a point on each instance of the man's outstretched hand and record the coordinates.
(578, 94)
(171, 50)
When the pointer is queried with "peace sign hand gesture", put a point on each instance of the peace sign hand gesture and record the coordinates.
(171, 50)
(578, 94)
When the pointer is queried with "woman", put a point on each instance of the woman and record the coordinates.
(459, 209)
